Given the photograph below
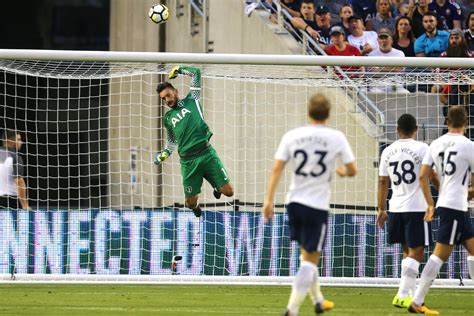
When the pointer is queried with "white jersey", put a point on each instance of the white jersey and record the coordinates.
(401, 162)
(393, 53)
(453, 157)
(369, 37)
(313, 150)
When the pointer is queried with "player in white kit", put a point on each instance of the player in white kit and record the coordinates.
(400, 164)
(312, 149)
(453, 157)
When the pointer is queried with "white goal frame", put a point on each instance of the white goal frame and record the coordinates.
(228, 59)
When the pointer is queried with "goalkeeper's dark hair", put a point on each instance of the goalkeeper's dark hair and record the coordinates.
(162, 86)
(319, 107)
(406, 124)
(457, 116)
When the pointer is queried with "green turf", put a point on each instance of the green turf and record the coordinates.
(207, 300)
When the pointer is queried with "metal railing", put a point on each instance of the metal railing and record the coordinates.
(200, 8)
(311, 47)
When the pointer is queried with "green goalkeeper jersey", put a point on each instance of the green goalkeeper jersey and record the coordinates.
(184, 122)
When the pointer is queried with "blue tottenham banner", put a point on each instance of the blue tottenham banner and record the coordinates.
(219, 243)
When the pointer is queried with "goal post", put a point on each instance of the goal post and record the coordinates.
(102, 212)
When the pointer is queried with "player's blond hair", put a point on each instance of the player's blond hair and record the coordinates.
(319, 107)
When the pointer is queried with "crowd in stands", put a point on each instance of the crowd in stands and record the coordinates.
(390, 28)
(416, 27)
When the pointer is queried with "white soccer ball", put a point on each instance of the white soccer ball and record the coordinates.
(159, 13)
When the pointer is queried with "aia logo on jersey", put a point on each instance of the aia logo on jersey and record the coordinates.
(179, 116)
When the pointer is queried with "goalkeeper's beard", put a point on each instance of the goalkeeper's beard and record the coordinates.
(173, 103)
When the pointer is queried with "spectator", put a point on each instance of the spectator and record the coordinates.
(339, 47)
(365, 41)
(454, 94)
(307, 21)
(385, 48)
(403, 38)
(383, 18)
(433, 42)
(367, 10)
(333, 7)
(395, 4)
(457, 45)
(469, 34)
(416, 12)
(323, 24)
(13, 190)
(450, 13)
(345, 12)
(401, 9)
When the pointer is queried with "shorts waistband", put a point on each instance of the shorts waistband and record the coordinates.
(195, 151)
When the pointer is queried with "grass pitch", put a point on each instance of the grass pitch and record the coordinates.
(208, 300)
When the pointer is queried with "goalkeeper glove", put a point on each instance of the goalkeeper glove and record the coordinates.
(174, 72)
(160, 156)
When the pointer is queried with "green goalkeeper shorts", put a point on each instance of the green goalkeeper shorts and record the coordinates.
(206, 166)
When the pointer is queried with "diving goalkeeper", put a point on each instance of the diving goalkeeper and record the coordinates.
(187, 130)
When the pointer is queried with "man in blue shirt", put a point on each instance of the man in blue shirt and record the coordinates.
(433, 42)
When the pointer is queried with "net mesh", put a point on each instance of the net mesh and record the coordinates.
(100, 207)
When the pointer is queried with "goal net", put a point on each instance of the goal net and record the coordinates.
(101, 211)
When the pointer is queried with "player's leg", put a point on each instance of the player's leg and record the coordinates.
(417, 236)
(303, 280)
(192, 203)
(440, 254)
(217, 175)
(227, 189)
(397, 226)
(192, 181)
(410, 267)
(469, 245)
(308, 228)
(449, 228)
(467, 240)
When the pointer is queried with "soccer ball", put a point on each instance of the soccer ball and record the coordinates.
(159, 13)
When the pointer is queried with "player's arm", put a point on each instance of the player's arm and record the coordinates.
(434, 179)
(277, 170)
(471, 188)
(194, 73)
(170, 146)
(425, 173)
(21, 189)
(382, 200)
(347, 170)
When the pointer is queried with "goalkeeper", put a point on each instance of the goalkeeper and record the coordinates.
(187, 130)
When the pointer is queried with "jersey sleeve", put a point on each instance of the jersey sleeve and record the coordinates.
(428, 159)
(283, 151)
(195, 74)
(171, 142)
(346, 154)
(383, 172)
